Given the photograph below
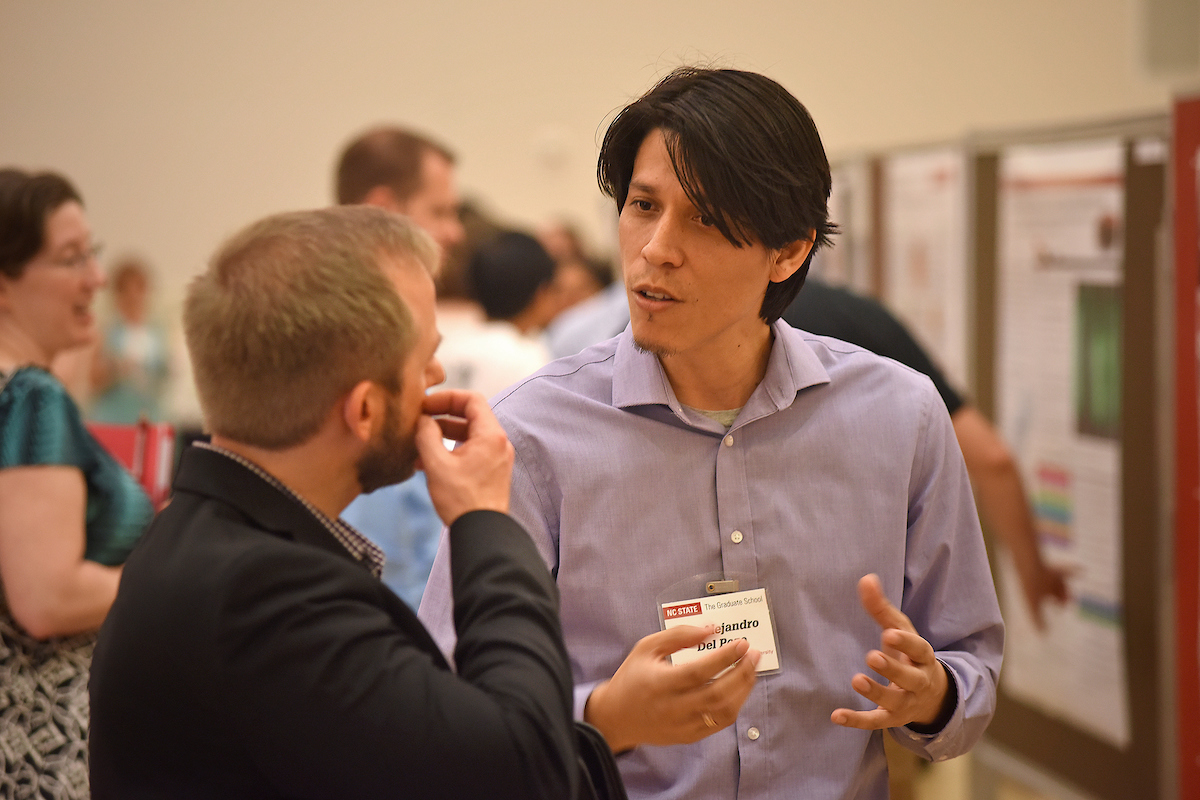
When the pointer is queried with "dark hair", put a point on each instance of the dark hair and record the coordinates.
(384, 156)
(746, 153)
(26, 201)
(506, 273)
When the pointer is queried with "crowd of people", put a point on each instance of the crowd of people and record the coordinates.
(700, 428)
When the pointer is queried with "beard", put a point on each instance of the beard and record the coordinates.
(391, 457)
(652, 348)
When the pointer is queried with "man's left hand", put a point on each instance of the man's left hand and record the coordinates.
(917, 681)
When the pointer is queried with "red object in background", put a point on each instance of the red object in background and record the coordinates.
(1186, 143)
(146, 449)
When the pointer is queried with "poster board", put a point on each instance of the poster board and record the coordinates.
(1105, 336)
(851, 260)
(1186, 196)
(925, 278)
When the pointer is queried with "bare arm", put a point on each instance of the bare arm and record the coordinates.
(50, 588)
(1005, 508)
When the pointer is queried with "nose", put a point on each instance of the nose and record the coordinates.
(663, 248)
(434, 373)
(453, 232)
(96, 276)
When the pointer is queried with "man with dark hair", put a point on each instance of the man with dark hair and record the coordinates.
(713, 461)
(252, 651)
(511, 277)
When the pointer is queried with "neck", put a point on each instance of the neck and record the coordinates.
(311, 469)
(524, 322)
(17, 349)
(722, 379)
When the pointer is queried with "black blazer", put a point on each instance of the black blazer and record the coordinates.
(249, 655)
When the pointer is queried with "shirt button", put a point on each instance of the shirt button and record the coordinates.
(753, 734)
(736, 536)
(729, 440)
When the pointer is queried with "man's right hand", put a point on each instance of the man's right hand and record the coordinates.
(651, 701)
(477, 474)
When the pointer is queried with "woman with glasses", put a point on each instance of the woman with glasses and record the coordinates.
(69, 513)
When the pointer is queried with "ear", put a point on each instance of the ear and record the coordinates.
(791, 257)
(363, 410)
(383, 197)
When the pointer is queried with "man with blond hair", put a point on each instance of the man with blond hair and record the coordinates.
(252, 650)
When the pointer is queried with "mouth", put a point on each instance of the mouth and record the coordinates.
(653, 295)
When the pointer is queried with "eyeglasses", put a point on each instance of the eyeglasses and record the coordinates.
(80, 260)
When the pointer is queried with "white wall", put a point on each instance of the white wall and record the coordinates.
(180, 122)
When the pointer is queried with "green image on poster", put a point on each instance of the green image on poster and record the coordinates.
(1098, 361)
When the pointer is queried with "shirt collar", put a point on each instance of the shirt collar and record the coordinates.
(360, 547)
(639, 378)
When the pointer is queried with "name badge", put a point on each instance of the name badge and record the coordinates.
(738, 615)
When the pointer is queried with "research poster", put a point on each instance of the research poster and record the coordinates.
(925, 252)
(1059, 405)
(848, 261)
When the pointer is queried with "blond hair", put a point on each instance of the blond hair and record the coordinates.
(293, 312)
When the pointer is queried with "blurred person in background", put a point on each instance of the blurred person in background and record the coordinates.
(578, 275)
(69, 513)
(512, 278)
(131, 367)
(403, 171)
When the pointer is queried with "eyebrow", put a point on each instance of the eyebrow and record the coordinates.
(639, 186)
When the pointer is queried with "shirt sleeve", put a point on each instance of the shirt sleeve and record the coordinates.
(379, 717)
(948, 590)
(39, 423)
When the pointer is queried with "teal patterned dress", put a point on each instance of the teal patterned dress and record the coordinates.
(43, 685)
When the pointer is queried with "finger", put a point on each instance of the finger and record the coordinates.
(470, 406)
(702, 670)
(672, 640)
(874, 720)
(875, 602)
(447, 401)
(903, 675)
(889, 698)
(909, 645)
(728, 692)
(429, 442)
(452, 428)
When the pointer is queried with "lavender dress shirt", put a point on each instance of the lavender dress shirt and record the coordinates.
(841, 463)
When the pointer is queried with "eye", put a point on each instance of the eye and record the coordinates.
(638, 204)
(706, 221)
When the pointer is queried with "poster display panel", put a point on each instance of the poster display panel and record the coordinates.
(1059, 369)
(925, 252)
(1186, 168)
(848, 261)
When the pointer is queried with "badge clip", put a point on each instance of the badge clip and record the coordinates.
(721, 587)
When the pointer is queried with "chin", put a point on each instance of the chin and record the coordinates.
(649, 345)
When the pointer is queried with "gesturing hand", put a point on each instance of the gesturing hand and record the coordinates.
(917, 681)
(477, 475)
(652, 701)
